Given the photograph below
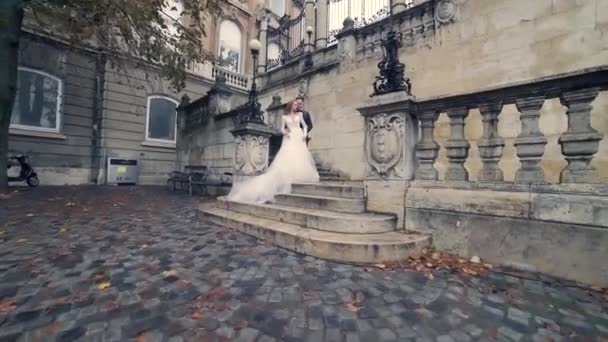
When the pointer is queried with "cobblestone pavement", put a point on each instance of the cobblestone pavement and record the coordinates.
(118, 264)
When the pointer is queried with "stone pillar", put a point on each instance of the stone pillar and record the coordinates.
(491, 144)
(580, 142)
(219, 97)
(310, 19)
(457, 146)
(321, 27)
(398, 6)
(390, 139)
(426, 148)
(263, 38)
(347, 43)
(181, 148)
(530, 143)
(250, 150)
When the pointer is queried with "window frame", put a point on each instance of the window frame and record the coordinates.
(59, 112)
(240, 66)
(146, 133)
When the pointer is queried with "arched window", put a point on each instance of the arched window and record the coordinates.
(38, 101)
(230, 50)
(278, 7)
(161, 122)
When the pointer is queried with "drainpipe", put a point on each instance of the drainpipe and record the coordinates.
(97, 141)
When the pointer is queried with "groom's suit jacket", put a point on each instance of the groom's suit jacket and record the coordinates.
(307, 120)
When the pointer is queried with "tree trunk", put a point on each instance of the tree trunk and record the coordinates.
(11, 18)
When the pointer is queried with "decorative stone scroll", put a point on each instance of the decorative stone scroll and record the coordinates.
(445, 11)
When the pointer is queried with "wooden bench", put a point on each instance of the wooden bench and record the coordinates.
(177, 180)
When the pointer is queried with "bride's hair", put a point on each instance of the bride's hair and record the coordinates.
(288, 106)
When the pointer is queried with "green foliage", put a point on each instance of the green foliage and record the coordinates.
(161, 32)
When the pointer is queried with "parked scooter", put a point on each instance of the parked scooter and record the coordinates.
(26, 173)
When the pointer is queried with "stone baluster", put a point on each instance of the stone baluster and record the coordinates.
(491, 144)
(428, 20)
(581, 141)
(321, 21)
(530, 143)
(417, 25)
(408, 32)
(457, 147)
(426, 148)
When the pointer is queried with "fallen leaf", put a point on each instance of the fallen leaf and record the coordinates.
(103, 286)
(22, 241)
(123, 231)
(352, 307)
(62, 230)
(382, 266)
(145, 245)
(140, 338)
(359, 297)
(2, 232)
(7, 305)
(169, 273)
(196, 315)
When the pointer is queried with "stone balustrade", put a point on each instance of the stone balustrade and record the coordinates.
(579, 143)
(212, 72)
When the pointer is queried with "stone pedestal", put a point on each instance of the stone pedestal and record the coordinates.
(250, 150)
(390, 141)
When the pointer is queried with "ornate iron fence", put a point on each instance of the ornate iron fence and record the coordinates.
(286, 41)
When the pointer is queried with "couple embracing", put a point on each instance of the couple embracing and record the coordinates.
(293, 163)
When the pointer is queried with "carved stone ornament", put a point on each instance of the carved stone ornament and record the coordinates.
(223, 103)
(240, 153)
(259, 153)
(384, 143)
(303, 88)
(445, 11)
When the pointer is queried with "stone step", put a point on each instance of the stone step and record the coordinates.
(331, 190)
(343, 205)
(330, 178)
(356, 248)
(365, 223)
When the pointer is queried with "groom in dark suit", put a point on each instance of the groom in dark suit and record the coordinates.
(306, 116)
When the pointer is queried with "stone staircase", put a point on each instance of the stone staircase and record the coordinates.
(328, 220)
(327, 174)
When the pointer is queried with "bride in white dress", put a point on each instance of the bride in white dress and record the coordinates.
(292, 164)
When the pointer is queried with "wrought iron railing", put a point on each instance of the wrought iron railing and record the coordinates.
(363, 12)
(288, 37)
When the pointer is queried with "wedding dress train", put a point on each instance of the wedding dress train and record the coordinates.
(292, 164)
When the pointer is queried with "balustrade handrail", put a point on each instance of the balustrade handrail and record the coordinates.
(549, 87)
(210, 71)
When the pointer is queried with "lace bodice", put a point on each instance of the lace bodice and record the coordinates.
(292, 123)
